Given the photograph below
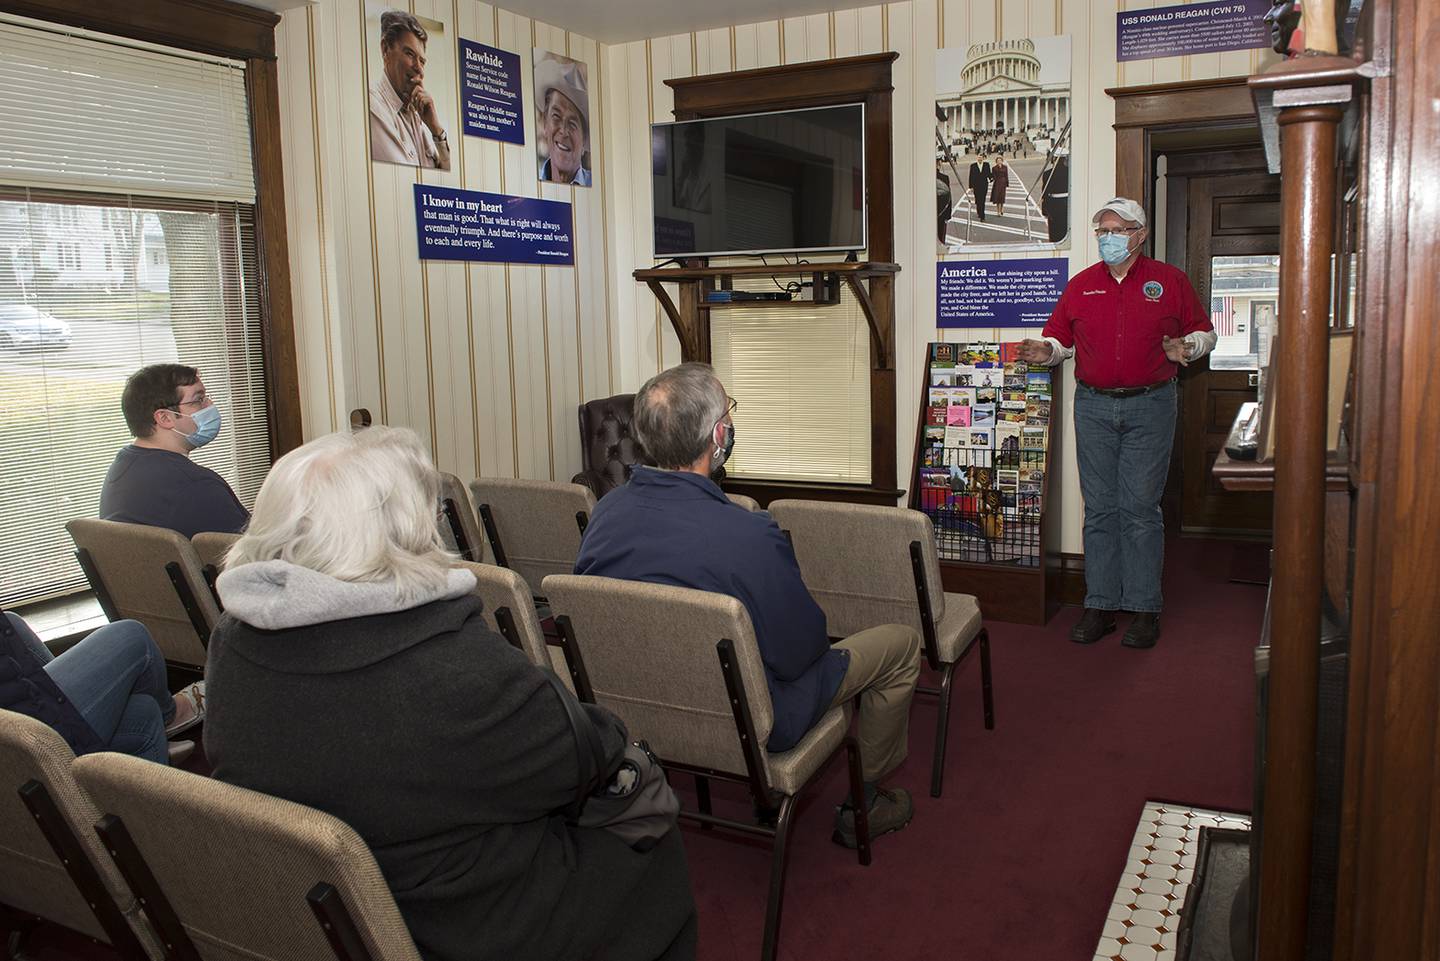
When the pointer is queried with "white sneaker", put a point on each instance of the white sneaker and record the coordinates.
(195, 696)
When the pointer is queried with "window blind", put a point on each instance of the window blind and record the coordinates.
(95, 113)
(801, 376)
(92, 289)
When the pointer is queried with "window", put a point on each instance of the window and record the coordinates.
(80, 110)
(127, 237)
(69, 338)
(802, 378)
(1244, 291)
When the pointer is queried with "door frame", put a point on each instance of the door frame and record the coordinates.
(1191, 178)
(1142, 111)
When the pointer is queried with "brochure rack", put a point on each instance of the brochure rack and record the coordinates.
(982, 475)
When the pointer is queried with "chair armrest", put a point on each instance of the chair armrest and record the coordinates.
(590, 479)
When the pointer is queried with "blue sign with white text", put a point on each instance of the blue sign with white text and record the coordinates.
(493, 228)
(1188, 28)
(490, 92)
(998, 293)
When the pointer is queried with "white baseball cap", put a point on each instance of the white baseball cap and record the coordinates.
(1126, 208)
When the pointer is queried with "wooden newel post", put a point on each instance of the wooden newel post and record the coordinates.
(1309, 120)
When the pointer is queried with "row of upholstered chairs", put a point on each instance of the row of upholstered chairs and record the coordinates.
(533, 527)
(680, 667)
(650, 653)
(697, 693)
(158, 577)
(165, 865)
(864, 565)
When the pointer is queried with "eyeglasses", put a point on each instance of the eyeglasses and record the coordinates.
(1117, 232)
(199, 401)
(730, 404)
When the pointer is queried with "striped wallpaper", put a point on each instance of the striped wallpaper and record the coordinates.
(487, 362)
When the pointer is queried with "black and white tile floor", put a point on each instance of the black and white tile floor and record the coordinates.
(1145, 913)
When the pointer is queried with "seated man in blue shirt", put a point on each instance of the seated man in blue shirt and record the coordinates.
(672, 525)
(153, 481)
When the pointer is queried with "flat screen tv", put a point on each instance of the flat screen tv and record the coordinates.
(784, 182)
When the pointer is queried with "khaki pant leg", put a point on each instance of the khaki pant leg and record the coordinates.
(884, 665)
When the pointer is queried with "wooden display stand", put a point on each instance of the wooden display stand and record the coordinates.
(874, 289)
(1007, 592)
(864, 79)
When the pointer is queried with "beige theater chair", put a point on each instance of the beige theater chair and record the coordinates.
(681, 668)
(749, 503)
(459, 524)
(227, 874)
(152, 575)
(868, 565)
(510, 609)
(533, 527)
(211, 547)
(51, 863)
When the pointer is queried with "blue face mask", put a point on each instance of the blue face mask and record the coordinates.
(722, 454)
(1114, 249)
(207, 425)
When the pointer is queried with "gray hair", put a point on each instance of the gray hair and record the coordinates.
(357, 506)
(393, 23)
(676, 413)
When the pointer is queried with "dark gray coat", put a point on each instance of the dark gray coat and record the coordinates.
(447, 751)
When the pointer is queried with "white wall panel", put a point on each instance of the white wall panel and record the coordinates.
(487, 362)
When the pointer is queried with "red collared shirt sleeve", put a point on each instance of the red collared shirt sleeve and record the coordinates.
(1193, 316)
(1061, 324)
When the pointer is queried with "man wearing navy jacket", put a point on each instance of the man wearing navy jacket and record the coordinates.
(673, 525)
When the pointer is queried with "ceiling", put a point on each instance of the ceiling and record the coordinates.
(616, 21)
(278, 6)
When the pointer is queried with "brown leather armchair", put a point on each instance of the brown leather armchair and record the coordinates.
(607, 448)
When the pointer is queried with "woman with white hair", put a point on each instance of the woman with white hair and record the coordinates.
(353, 672)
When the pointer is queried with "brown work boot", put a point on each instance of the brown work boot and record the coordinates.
(891, 810)
(1093, 625)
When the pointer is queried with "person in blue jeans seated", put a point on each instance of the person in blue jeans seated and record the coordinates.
(153, 481)
(671, 524)
(107, 693)
(1130, 323)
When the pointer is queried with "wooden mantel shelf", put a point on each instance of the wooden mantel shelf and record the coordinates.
(1252, 475)
(676, 274)
(695, 282)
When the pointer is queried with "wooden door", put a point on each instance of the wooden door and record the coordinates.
(1223, 231)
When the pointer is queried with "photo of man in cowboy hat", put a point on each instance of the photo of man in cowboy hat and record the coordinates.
(562, 100)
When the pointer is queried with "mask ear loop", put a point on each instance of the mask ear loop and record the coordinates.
(719, 450)
(177, 415)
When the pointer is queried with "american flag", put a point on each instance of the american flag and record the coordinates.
(1222, 315)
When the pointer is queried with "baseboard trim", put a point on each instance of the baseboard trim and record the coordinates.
(1072, 579)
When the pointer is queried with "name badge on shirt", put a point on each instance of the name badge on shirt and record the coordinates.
(1153, 289)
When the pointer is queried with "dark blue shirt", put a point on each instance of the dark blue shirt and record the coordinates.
(678, 528)
(161, 488)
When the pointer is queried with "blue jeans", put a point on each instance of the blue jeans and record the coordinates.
(115, 678)
(1123, 446)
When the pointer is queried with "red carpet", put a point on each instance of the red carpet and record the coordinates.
(1019, 860)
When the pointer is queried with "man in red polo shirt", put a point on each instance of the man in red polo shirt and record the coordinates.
(1128, 321)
